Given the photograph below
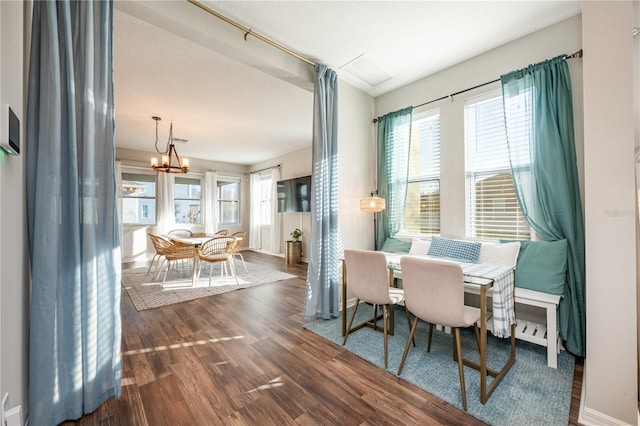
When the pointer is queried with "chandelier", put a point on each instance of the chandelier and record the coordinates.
(168, 155)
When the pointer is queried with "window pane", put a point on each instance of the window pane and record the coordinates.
(138, 192)
(422, 205)
(140, 211)
(229, 200)
(229, 212)
(187, 194)
(492, 207)
(422, 209)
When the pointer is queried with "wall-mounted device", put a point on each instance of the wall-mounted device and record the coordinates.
(9, 130)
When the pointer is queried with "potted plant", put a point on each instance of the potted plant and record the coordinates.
(296, 234)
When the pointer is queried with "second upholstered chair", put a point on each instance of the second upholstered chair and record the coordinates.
(368, 280)
(434, 292)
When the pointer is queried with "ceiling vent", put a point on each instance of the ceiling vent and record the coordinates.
(366, 71)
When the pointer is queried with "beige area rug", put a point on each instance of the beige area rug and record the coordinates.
(147, 293)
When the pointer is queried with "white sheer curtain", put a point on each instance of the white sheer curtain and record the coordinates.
(166, 214)
(276, 233)
(209, 200)
(254, 210)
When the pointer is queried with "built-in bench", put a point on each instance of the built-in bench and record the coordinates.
(530, 331)
(545, 255)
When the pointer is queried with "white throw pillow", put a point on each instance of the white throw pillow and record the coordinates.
(505, 254)
(420, 247)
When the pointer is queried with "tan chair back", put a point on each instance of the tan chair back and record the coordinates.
(434, 290)
(368, 275)
(221, 232)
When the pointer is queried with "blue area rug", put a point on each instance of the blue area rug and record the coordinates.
(530, 394)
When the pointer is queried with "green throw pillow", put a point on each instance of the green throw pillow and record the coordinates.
(392, 245)
(542, 266)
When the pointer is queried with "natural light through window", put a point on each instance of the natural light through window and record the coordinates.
(422, 205)
(491, 205)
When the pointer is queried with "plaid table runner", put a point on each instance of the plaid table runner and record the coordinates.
(503, 283)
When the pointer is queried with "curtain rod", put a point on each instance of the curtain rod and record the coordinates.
(262, 170)
(249, 31)
(577, 54)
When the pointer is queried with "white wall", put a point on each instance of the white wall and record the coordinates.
(292, 165)
(357, 159)
(14, 276)
(610, 378)
(561, 38)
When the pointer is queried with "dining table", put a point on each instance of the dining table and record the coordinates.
(478, 279)
(195, 242)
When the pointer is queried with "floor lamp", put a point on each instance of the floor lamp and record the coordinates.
(373, 204)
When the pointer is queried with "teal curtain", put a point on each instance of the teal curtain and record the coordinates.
(322, 274)
(394, 136)
(75, 330)
(539, 121)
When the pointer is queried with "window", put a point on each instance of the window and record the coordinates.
(265, 191)
(422, 205)
(187, 198)
(492, 208)
(138, 193)
(228, 200)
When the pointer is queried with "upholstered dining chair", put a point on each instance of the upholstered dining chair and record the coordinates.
(239, 236)
(175, 252)
(368, 279)
(434, 292)
(160, 245)
(217, 250)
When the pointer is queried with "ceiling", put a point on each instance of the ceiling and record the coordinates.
(244, 101)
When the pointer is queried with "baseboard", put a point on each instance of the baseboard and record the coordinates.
(590, 417)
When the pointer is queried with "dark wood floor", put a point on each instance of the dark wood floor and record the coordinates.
(243, 358)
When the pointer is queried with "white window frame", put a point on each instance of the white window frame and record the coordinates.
(175, 199)
(135, 171)
(478, 166)
(221, 201)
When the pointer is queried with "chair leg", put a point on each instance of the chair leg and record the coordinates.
(408, 345)
(151, 264)
(210, 272)
(353, 315)
(385, 312)
(477, 333)
(406, 311)
(232, 267)
(458, 350)
(243, 264)
(165, 272)
(430, 335)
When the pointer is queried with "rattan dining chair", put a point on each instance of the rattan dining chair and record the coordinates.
(235, 252)
(368, 280)
(175, 252)
(217, 250)
(221, 233)
(434, 292)
(160, 245)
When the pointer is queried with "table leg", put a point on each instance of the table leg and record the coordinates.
(344, 298)
(193, 276)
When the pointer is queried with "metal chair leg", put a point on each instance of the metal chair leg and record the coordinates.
(458, 350)
(430, 335)
(353, 315)
(408, 345)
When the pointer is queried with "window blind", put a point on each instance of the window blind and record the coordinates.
(491, 203)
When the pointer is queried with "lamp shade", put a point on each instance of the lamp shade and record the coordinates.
(372, 204)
